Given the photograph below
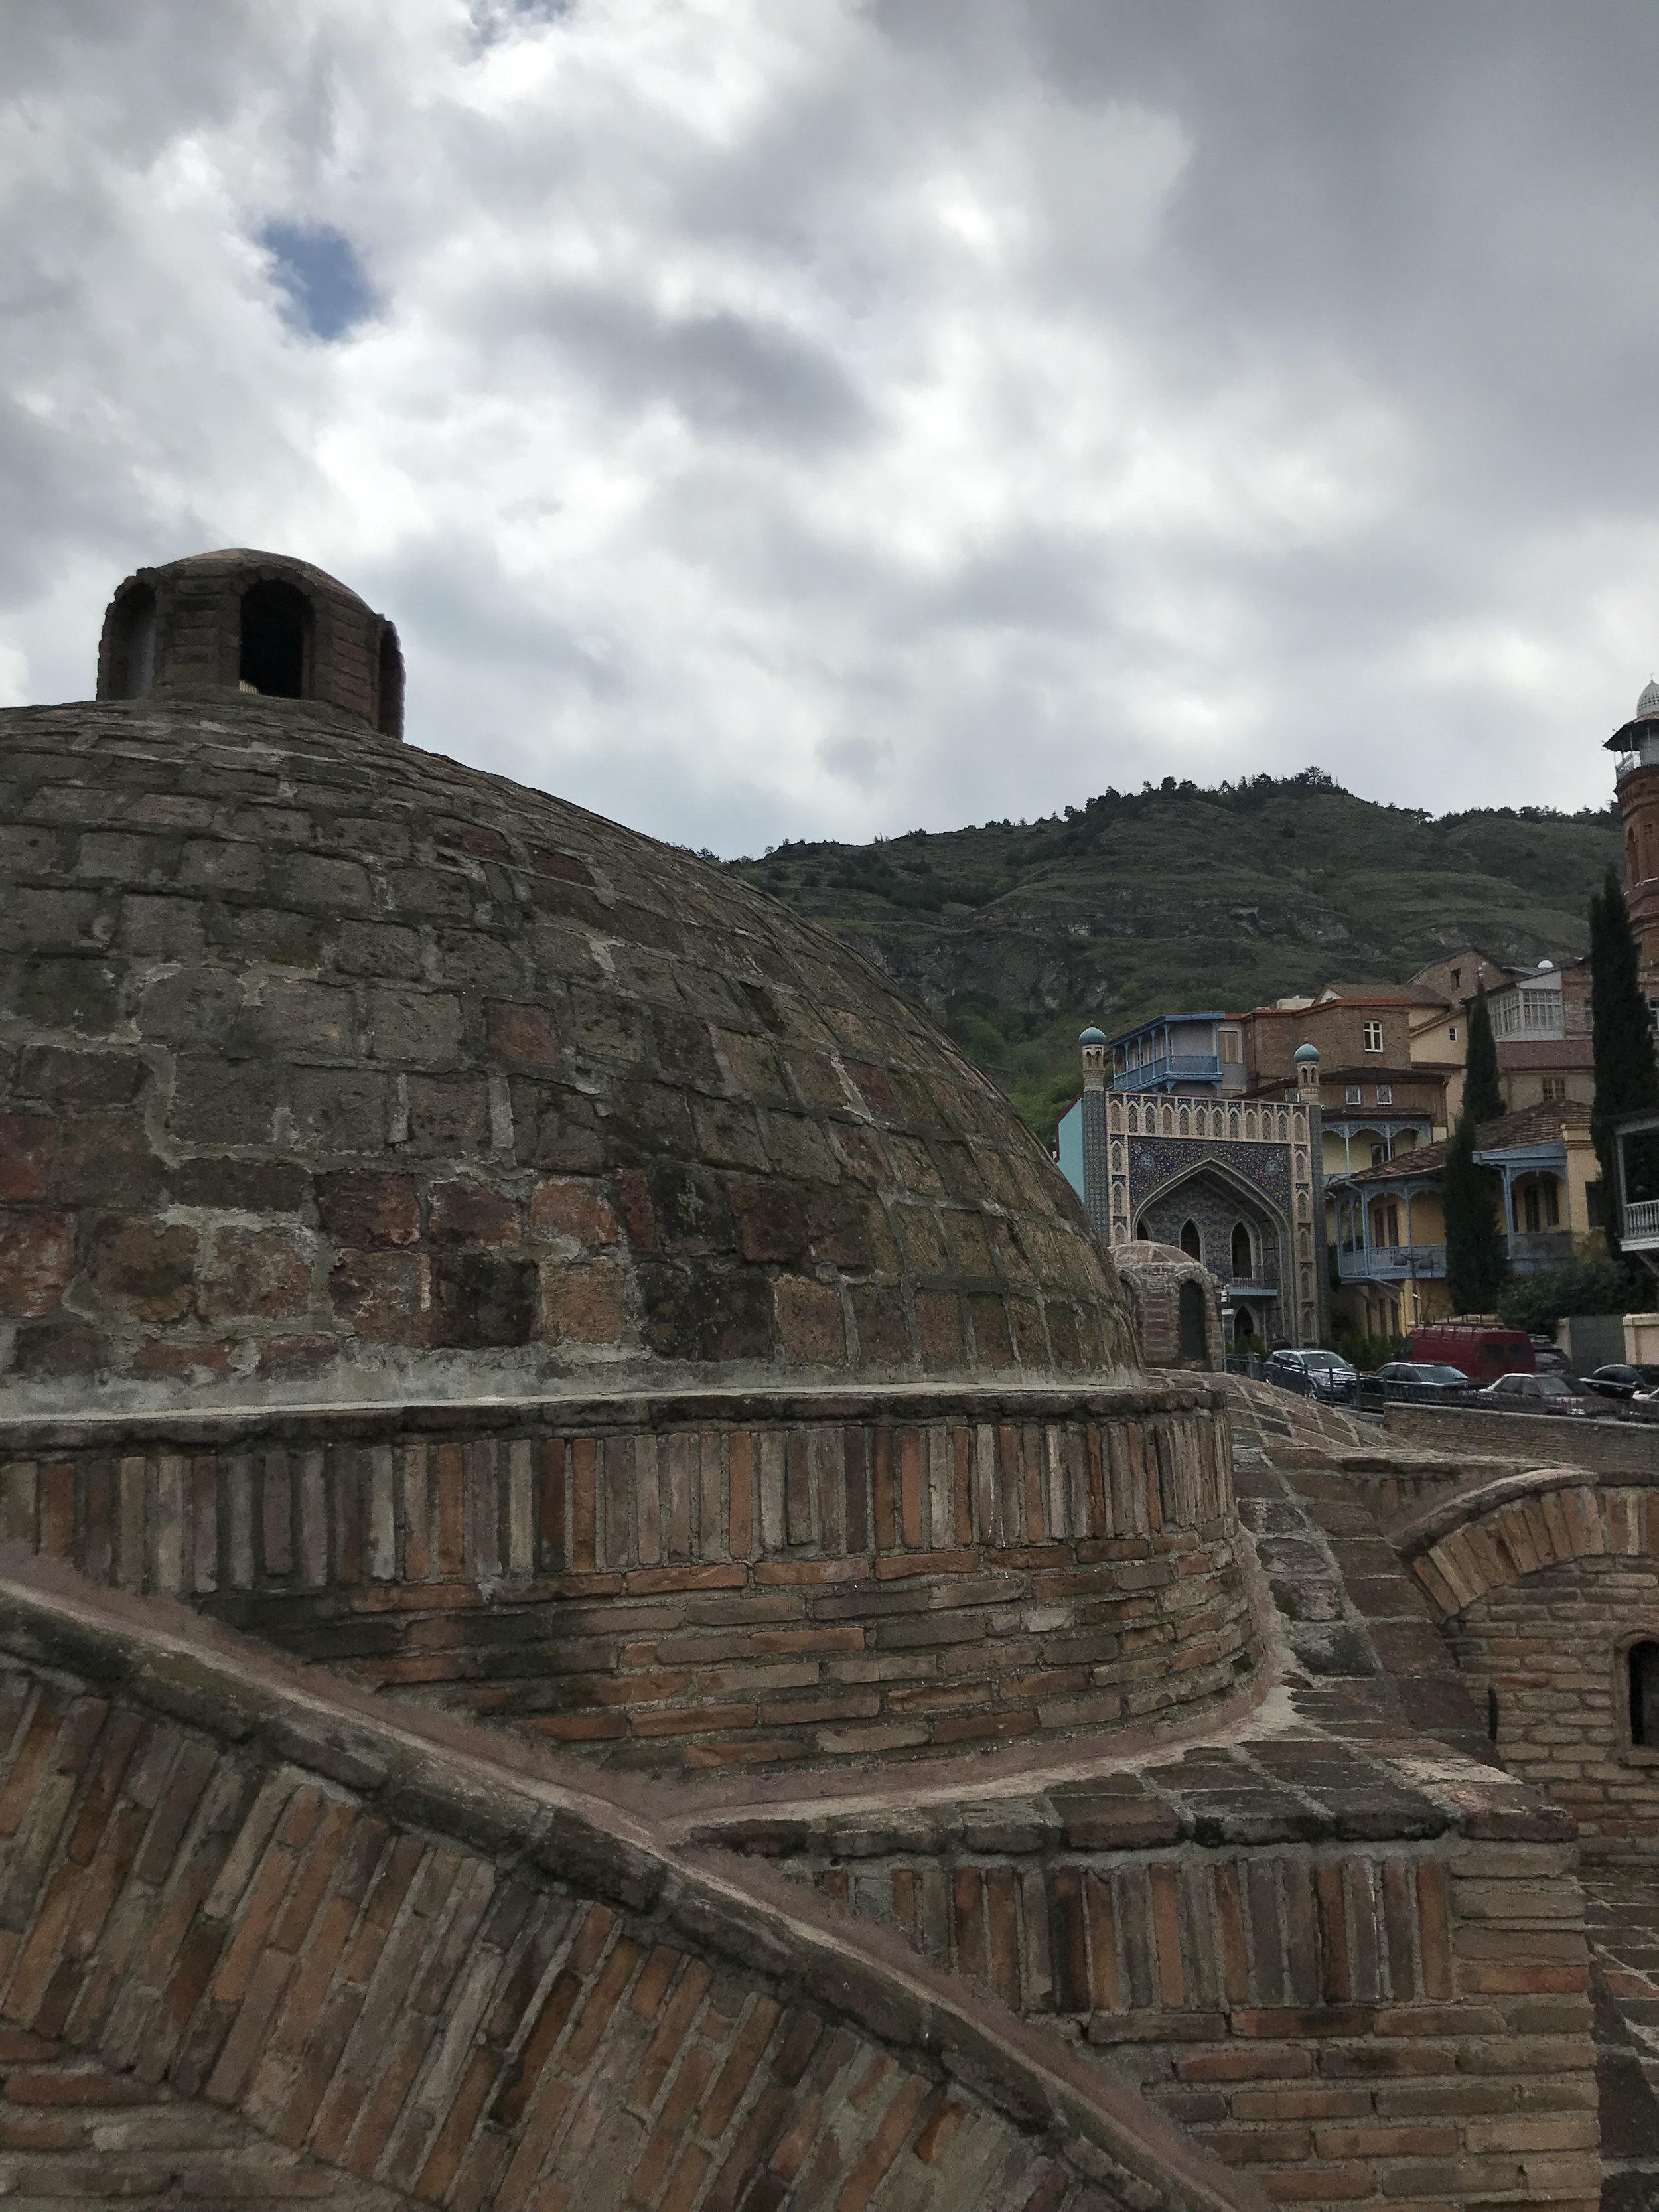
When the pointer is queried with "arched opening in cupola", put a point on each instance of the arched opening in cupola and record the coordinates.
(276, 635)
(389, 718)
(133, 674)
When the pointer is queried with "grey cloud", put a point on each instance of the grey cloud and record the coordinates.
(882, 413)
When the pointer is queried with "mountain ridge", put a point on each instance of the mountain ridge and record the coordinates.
(1012, 935)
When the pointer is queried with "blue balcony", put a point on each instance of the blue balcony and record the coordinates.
(1172, 1067)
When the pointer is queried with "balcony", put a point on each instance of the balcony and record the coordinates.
(1529, 1250)
(1173, 1068)
(1639, 1226)
(1392, 1263)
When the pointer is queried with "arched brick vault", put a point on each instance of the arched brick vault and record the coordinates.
(410, 1953)
(1480, 1541)
(1542, 1582)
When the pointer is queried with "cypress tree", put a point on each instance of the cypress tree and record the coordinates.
(1476, 1261)
(1626, 1075)
(1483, 1094)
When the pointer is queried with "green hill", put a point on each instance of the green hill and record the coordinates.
(1015, 934)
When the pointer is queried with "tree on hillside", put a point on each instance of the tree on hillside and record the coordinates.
(1483, 1094)
(1626, 1075)
(1476, 1261)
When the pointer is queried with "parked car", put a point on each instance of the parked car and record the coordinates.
(1312, 1374)
(1421, 1381)
(1535, 1394)
(1548, 1357)
(1483, 1352)
(1621, 1380)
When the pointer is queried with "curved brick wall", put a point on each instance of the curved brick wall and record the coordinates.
(331, 1068)
(713, 1581)
(426, 1979)
(1541, 1582)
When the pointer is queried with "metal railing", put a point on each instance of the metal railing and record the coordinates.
(1393, 1263)
(1173, 1068)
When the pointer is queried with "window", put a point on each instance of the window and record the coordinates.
(1193, 1334)
(1451, 1036)
(1541, 1206)
(1232, 1047)
(1356, 1096)
(1373, 1036)
(1243, 1263)
(1457, 978)
(1191, 1243)
(1378, 1155)
(391, 718)
(1555, 1087)
(1385, 1094)
(134, 672)
(1594, 1214)
(275, 619)
(1645, 1695)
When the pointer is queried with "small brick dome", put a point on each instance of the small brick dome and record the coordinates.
(235, 623)
(331, 1068)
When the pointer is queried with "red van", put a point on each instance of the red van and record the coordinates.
(1483, 1352)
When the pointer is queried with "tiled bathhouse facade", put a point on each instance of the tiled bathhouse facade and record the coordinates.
(1236, 1183)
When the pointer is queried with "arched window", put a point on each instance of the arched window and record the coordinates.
(1243, 1327)
(1645, 1695)
(1242, 1254)
(1193, 1337)
(390, 722)
(134, 670)
(275, 624)
(1191, 1243)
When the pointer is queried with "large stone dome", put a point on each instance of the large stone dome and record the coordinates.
(332, 1068)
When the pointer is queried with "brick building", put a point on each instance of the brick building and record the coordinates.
(599, 1605)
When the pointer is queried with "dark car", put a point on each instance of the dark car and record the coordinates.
(1424, 1382)
(1535, 1394)
(1621, 1380)
(1312, 1374)
(1549, 1357)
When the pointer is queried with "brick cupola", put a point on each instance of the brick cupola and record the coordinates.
(234, 623)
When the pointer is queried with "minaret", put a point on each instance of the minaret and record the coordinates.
(1313, 1290)
(1637, 745)
(1096, 1186)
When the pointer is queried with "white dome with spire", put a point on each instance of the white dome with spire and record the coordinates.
(1647, 707)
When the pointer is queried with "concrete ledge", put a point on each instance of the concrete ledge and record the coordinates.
(1610, 1447)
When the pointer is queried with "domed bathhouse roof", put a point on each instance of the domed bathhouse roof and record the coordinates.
(357, 1070)
(339, 1075)
(513, 1266)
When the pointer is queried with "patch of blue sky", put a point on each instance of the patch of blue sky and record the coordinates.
(321, 279)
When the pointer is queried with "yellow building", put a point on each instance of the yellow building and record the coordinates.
(1386, 1227)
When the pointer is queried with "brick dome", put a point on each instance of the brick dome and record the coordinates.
(335, 1069)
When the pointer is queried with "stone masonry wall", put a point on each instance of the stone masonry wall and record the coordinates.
(1540, 1582)
(409, 1967)
(709, 1585)
(332, 1068)
(1406, 2022)
(1611, 1446)
(1548, 1652)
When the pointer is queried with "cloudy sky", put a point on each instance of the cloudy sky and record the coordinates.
(813, 419)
